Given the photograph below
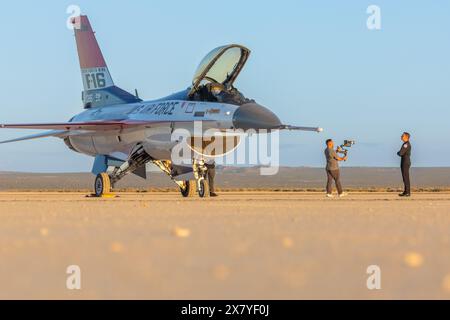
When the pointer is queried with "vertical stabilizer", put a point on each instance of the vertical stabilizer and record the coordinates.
(99, 88)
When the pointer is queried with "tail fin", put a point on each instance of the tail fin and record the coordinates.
(99, 88)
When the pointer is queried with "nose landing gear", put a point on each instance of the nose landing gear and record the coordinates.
(203, 188)
(201, 176)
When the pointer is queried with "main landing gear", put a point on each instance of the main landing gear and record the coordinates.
(188, 188)
(105, 181)
(102, 185)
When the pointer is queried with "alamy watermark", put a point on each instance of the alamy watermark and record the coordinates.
(229, 147)
(374, 19)
(74, 20)
(73, 281)
(374, 280)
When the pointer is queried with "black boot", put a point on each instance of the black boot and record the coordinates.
(404, 194)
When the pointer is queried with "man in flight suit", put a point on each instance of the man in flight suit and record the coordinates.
(211, 175)
(405, 154)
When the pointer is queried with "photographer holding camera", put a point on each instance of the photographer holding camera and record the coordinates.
(333, 172)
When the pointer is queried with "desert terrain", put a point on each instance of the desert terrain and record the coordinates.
(240, 179)
(241, 245)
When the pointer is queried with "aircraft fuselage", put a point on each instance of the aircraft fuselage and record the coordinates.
(166, 116)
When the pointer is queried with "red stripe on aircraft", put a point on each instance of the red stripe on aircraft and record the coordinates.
(89, 52)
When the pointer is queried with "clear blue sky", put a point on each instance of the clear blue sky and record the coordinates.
(312, 63)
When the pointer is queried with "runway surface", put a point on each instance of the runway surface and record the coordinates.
(237, 246)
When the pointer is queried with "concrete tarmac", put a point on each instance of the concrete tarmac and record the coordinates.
(262, 245)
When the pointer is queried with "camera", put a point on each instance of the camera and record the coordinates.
(343, 148)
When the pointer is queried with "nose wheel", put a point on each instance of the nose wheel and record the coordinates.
(102, 185)
(203, 188)
(201, 176)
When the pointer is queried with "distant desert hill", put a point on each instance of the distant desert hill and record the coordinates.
(288, 178)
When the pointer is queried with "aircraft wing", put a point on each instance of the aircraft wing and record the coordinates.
(64, 129)
(53, 133)
(292, 128)
(88, 125)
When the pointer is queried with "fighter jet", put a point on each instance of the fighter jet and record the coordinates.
(124, 133)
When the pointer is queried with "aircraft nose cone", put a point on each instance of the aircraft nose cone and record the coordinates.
(255, 116)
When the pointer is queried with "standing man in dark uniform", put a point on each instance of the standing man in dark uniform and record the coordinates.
(211, 175)
(405, 154)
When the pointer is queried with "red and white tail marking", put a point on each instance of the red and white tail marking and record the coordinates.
(94, 71)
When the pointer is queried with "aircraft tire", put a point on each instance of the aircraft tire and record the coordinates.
(203, 191)
(102, 184)
(191, 188)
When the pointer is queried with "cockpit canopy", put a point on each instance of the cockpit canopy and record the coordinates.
(219, 68)
(222, 65)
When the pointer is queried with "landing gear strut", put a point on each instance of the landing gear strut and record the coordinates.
(190, 187)
(137, 159)
(105, 181)
(187, 188)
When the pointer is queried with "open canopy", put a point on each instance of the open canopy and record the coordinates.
(222, 65)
